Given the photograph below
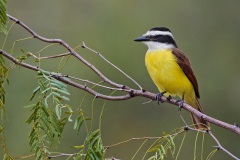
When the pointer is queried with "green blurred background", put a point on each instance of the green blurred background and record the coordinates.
(207, 31)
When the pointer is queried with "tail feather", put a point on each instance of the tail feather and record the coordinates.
(198, 122)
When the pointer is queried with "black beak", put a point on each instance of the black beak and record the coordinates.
(142, 39)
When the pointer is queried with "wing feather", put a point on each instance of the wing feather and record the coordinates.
(184, 63)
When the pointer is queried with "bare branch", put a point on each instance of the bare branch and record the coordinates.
(143, 138)
(220, 147)
(54, 56)
(98, 53)
(66, 80)
(62, 155)
(16, 61)
(96, 84)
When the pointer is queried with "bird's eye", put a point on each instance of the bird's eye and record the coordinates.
(151, 37)
(154, 38)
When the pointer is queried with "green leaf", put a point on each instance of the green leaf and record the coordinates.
(34, 92)
(3, 16)
(58, 86)
(33, 116)
(163, 150)
(29, 106)
(60, 90)
(44, 73)
(44, 109)
(95, 149)
(58, 111)
(59, 83)
(46, 100)
(45, 90)
(60, 96)
(78, 147)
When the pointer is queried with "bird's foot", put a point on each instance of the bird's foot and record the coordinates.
(180, 106)
(169, 97)
(159, 96)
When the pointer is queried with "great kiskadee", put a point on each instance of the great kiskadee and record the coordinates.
(170, 70)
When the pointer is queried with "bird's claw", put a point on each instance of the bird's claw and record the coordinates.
(180, 106)
(159, 96)
(169, 97)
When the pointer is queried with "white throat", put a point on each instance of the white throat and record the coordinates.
(158, 46)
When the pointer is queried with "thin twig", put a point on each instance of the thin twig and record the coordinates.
(147, 102)
(24, 157)
(62, 155)
(183, 120)
(142, 138)
(220, 147)
(54, 56)
(99, 54)
(131, 139)
(87, 81)
(5, 39)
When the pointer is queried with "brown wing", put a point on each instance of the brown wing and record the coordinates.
(184, 63)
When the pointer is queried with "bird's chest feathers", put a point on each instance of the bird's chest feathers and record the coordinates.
(163, 63)
(164, 70)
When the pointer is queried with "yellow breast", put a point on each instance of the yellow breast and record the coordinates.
(167, 74)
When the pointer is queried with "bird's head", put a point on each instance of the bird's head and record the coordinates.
(158, 38)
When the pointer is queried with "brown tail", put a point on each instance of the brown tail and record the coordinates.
(198, 122)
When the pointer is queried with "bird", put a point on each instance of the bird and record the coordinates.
(170, 70)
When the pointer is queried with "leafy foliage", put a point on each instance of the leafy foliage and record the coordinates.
(95, 146)
(3, 79)
(4, 71)
(3, 16)
(46, 115)
(79, 121)
(48, 123)
(164, 146)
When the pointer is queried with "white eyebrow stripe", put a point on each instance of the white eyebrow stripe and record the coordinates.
(153, 33)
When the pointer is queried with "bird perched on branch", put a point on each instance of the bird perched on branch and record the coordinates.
(171, 71)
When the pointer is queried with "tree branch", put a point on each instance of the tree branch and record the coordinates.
(69, 48)
(220, 147)
(129, 92)
(99, 54)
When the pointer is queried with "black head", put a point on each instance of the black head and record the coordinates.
(160, 29)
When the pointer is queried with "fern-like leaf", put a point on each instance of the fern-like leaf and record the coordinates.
(3, 16)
